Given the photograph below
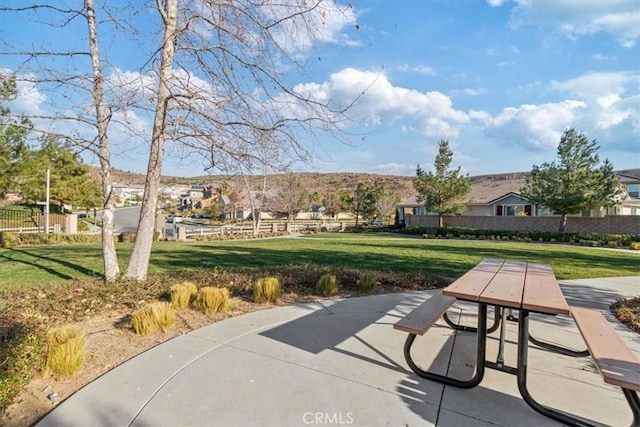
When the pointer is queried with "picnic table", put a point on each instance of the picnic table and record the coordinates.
(525, 288)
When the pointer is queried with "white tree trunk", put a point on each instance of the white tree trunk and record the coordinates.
(110, 257)
(139, 261)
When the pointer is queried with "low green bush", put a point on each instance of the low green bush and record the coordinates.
(22, 344)
(10, 240)
(327, 285)
(127, 236)
(594, 239)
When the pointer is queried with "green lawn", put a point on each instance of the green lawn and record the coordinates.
(446, 258)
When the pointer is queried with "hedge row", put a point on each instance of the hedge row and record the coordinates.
(586, 239)
(10, 240)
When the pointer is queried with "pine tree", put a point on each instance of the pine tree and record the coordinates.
(576, 182)
(444, 191)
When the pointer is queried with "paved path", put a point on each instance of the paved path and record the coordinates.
(340, 362)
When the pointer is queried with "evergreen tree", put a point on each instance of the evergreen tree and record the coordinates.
(13, 132)
(363, 201)
(576, 182)
(444, 191)
(70, 181)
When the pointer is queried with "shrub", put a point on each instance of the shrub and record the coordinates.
(65, 350)
(635, 246)
(366, 281)
(327, 285)
(127, 236)
(211, 299)
(266, 289)
(21, 352)
(8, 240)
(157, 315)
(182, 294)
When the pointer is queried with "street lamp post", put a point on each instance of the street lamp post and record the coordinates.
(46, 203)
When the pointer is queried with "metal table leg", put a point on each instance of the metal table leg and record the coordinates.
(496, 322)
(480, 357)
(523, 339)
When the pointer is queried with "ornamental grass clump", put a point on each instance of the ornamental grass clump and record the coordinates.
(327, 285)
(182, 294)
(266, 289)
(65, 350)
(366, 282)
(157, 315)
(211, 299)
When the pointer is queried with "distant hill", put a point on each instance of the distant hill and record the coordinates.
(402, 186)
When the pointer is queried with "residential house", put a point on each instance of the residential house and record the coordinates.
(125, 193)
(498, 195)
(197, 197)
(242, 205)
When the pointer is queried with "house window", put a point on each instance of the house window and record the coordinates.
(633, 190)
(611, 211)
(634, 211)
(513, 210)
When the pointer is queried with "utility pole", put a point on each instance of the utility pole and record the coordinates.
(46, 205)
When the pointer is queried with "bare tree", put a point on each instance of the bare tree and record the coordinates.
(110, 257)
(386, 205)
(291, 196)
(219, 90)
(73, 121)
(141, 253)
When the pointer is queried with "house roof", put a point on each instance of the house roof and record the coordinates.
(506, 196)
(484, 190)
(488, 191)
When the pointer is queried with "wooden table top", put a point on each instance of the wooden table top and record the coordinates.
(512, 284)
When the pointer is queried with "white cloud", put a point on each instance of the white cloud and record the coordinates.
(534, 126)
(420, 69)
(495, 3)
(394, 169)
(602, 57)
(383, 103)
(472, 91)
(602, 105)
(29, 100)
(577, 18)
(298, 33)
(598, 84)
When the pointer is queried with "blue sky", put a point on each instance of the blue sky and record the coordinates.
(499, 79)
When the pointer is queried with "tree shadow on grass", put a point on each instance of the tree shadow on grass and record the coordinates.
(243, 257)
(529, 252)
(442, 260)
(38, 263)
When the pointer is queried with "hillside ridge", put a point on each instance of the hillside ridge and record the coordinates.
(324, 182)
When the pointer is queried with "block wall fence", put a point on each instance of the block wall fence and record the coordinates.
(623, 224)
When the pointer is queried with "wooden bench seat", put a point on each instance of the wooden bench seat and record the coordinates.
(419, 320)
(617, 364)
